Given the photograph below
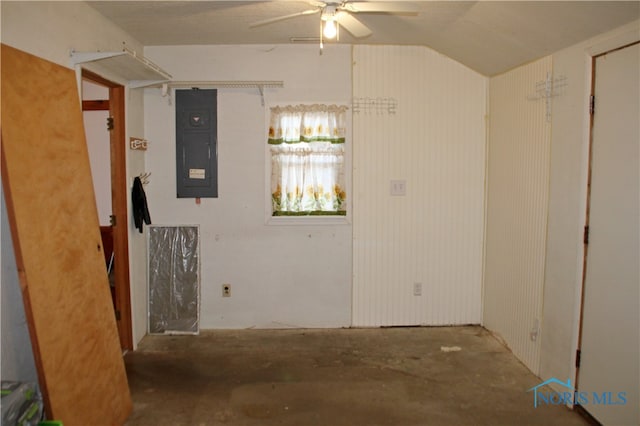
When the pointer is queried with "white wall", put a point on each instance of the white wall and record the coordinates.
(435, 142)
(517, 196)
(50, 30)
(137, 241)
(280, 276)
(16, 354)
(97, 135)
(516, 294)
(567, 200)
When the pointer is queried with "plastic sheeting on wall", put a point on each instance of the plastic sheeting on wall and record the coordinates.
(173, 280)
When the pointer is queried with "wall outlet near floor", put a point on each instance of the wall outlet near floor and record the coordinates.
(226, 290)
(417, 289)
(535, 330)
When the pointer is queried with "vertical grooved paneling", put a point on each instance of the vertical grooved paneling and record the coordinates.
(434, 234)
(517, 196)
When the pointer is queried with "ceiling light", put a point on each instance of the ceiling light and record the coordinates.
(330, 29)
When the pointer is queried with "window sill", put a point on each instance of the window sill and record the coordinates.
(310, 214)
(308, 220)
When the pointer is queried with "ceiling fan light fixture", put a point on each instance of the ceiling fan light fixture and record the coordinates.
(330, 29)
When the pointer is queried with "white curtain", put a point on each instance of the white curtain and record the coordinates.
(307, 159)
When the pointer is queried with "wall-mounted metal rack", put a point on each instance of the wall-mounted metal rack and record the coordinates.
(137, 70)
(546, 89)
(377, 105)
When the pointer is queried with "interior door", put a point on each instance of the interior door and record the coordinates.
(113, 195)
(610, 339)
(54, 226)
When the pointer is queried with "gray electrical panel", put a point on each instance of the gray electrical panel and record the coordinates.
(196, 143)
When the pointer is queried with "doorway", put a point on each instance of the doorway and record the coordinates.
(608, 373)
(111, 190)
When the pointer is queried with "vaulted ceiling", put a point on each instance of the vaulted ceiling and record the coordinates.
(490, 37)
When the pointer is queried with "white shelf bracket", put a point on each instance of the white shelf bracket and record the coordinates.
(260, 85)
(126, 64)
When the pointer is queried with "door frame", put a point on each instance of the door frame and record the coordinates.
(592, 87)
(623, 36)
(119, 202)
(591, 66)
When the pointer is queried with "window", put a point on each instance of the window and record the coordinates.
(307, 147)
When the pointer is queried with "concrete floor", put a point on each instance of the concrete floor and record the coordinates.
(390, 376)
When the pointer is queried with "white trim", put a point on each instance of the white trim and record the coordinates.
(485, 196)
(624, 36)
(306, 220)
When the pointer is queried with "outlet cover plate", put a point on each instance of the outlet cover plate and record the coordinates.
(226, 290)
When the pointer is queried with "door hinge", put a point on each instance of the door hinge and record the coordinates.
(117, 315)
(112, 220)
(585, 237)
(110, 123)
(592, 104)
(578, 357)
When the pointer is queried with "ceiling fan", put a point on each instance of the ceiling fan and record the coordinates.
(340, 14)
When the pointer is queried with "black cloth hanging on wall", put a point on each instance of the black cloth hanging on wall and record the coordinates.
(139, 202)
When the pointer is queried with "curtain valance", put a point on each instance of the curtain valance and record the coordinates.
(307, 123)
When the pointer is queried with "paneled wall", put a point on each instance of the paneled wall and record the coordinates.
(517, 200)
(434, 142)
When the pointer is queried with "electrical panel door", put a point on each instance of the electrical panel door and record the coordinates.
(196, 143)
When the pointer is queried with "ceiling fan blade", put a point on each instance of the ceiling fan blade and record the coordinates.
(351, 24)
(282, 18)
(381, 6)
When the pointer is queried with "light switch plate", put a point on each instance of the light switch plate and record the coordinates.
(398, 187)
(417, 289)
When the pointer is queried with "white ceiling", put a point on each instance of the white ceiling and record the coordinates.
(488, 36)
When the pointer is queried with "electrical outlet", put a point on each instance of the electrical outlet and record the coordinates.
(226, 290)
(535, 330)
(417, 289)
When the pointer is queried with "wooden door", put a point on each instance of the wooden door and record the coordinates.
(56, 237)
(609, 372)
